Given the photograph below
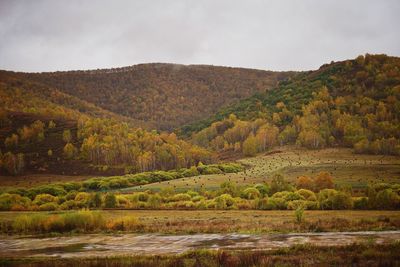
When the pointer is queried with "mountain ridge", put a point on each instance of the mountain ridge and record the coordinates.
(159, 93)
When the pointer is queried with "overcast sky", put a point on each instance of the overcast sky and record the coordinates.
(276, 35)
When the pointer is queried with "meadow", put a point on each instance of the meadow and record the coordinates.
(345, 166)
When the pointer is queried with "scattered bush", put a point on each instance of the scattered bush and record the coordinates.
(110, 201)
(251, 193)
(307, 194)
(225, 201)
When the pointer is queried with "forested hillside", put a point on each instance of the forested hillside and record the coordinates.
(38, 143)
(43, 130)
(354, 103)
(166, 95)
(101, 121)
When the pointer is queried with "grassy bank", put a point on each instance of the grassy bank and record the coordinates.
(304, 255)
(187, 222)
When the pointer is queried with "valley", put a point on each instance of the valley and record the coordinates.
(221, 166)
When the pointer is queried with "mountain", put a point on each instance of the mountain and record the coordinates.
(43, 130)
(100, 122)
(162, 95)
(353, 103)
(106, 122)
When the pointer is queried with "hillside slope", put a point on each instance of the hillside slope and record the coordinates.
(44, 130)
(354, 103)
(166, 95)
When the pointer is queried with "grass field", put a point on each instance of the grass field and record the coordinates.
(246, 221)
(346, 167)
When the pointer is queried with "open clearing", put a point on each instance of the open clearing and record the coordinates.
(346, 167)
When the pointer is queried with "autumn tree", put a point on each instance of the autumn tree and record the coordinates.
(323, 181)
(11, 141)
(279, 184)
(13, 164)
(67, 137)
(305, 182)
(69, 151)
(250, 146)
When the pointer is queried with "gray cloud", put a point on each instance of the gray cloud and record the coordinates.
(49, 35)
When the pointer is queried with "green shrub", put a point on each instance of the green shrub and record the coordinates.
(197, 198)
(110, 201)
(92, 184)
(262, 204)
(54, 190)
(210, 170)
(142, 196)
(69, 205)
(201, 205)
(225, 201)
(360, 203)
(295, 204)
(325, 198)
(263, 189)
(160, 176)
(228, 188)
(192, 193)
(245, 204)
(136, 178)
(307, 194)
(154, 201)
(341, 201)
(44, 198)
(119, 182)
(190, 172)
(71, 186)
(96, 200)
(122, 202)
(288, 196)
(279, 184)
(50, 206)
(181, 197)
(230, 167)
(211, 204)
(71, 195)
(277, 203)
(83, 197)
(387, 199)
(251, 193)
(12, 201)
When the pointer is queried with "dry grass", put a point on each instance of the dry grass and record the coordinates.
(246, 221)
(345, 166)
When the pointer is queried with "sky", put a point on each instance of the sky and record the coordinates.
(49, 35)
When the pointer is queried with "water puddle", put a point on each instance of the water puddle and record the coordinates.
(102, 245)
